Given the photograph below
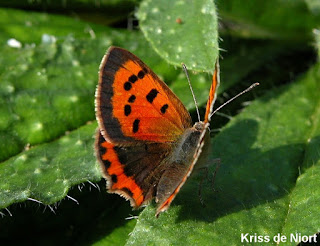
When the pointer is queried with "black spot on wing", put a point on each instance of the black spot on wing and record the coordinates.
(152, 95)
(114, 178)
(133, 78)
(127, 110)
(164, 108)
(106, 163)
(126, 190)
(141, 74)
(132, 98)
(102, 150)
(135, 127)
(121, 154)
(127, 86)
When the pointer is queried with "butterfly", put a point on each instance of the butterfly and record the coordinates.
(146, 143)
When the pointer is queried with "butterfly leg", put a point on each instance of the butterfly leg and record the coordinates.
(214, 174)
(206, 170)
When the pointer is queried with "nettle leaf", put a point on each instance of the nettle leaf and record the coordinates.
(118, 235)
(88, 5)
(102, 11)
(46, 172)
(47, 91)
(184, 32)
(30, 26)
(267, 183)
(314, 6)
(270, 19)
(48, 75)
(317, 38)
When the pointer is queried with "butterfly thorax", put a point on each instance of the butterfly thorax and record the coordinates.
(188, 143)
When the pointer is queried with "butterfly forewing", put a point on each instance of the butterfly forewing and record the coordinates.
(133, 104)
(213, 92)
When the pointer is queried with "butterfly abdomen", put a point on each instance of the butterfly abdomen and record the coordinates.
(180, 164)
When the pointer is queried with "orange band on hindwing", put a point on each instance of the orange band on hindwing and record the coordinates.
(113, 171)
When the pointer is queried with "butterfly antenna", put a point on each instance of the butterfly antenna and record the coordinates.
(230, 100)
(194, 98)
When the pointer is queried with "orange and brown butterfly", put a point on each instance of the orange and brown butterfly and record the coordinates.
(146, 142)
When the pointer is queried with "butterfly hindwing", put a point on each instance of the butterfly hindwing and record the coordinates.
(132, 171)
(147, 170)
(133, 104)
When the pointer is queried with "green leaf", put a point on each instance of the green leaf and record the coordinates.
(46, 172)
(317, 38)
(57, 60)
(87, 216)
(102, 11)
(275, 19)
(118, 235)
(242, 57)
(314, 6)
(260, 189)
(72, 4)
(184, 32)
(41, 100)
(31, 27)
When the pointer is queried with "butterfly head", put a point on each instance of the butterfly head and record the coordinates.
(201, 126)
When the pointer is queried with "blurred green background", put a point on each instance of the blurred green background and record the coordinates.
(268, 141)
